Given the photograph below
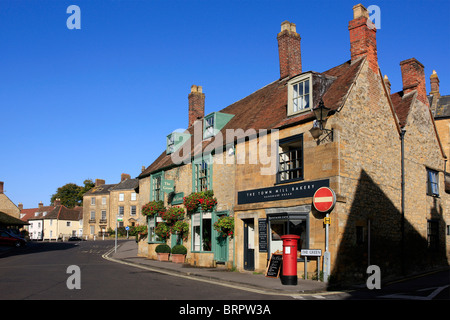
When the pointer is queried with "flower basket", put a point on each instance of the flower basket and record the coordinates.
(225, 226)
(196, 200)
(163, 231)
(153, 208)
(181, 228)
(173, 214)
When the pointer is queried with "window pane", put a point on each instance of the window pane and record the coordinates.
(295, 105)
(295, 91)
(306, 101)
(300, 89)
(306, 87)
(206, 233)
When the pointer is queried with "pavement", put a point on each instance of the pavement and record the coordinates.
(247, 280)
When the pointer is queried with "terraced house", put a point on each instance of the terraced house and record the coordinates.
(265, 156)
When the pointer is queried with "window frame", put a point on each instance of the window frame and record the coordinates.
(300, 79)
(201, 216)
(432, 182)
(300, 168)
(153, 192)
(200, 165)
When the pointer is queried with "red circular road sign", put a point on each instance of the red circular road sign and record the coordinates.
(324, 199)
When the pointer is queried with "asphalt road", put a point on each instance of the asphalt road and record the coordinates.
(40, 271)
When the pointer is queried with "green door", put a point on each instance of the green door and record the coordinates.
(220, 245)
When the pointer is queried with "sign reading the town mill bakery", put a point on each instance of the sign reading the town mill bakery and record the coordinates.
(282, 192)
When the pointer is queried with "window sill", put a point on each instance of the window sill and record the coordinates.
(288, 181)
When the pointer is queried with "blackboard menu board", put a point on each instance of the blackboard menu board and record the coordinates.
(262, 233)
(274, 267)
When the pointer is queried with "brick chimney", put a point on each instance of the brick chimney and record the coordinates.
(434, 83)
(124, 176)
(289, 50)
(413, 78)
(20, 206)
(363, 39)
(1, 187)
(57, 202)
(99, 182)
(196, 104)
(40, 205)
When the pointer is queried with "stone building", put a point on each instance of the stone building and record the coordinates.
(104, 203)
(6, 205)
(265, 155)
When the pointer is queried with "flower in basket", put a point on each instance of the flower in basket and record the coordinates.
(225, 226)
(196, 200)
(163, 231)
(153, 208)
(181, 228)
(173, 214)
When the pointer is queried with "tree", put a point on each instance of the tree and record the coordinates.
(71, 195)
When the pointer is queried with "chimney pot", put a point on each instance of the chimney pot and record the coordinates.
(289, 50)
(360, 11)
(40, 205)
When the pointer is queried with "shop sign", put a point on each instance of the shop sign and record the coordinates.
(167, 186)
(178, 198)
(282, 192)
(262, 232)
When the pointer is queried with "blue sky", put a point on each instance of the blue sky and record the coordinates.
(99, 101)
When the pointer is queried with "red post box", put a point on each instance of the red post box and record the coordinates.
(289, 259)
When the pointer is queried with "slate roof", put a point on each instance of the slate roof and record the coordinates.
(7, 220)
(127, 184)
(103, 189)
(442, 108)
(266, 108)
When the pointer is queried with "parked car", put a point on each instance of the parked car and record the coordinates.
(75, 239)
(9, 239)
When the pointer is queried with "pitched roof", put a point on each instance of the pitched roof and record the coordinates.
(266, 108)
(7, 220)
(102, 189)
(128, 184)
(441, 106)
(402, 105)
(34, 213)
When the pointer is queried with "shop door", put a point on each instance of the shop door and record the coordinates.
(249, 244)
(220, 246)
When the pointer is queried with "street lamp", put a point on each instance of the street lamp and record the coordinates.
(321, 113)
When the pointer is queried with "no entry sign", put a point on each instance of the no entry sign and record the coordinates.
(324, 199)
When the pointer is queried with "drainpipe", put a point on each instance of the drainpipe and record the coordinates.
(402, 222)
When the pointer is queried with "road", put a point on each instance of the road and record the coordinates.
(40, 272)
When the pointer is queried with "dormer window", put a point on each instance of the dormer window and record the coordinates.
(214, 122)
(176, 140)
(300, 94)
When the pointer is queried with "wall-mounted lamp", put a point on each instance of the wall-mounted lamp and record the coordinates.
(321, 113)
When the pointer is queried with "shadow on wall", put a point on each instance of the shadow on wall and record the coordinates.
(381, 245)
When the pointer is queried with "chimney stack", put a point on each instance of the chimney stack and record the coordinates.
(413, 78)
(57, 202)
(124, 176)
(434, 83)
(20, 206)
(196, 104)
(40, 205)
(1, 187)
(387, 83)
(363, 39)
(99, 182)
(289, 50)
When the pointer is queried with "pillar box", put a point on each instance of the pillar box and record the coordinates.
(289, 259)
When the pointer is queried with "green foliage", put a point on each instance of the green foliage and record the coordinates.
(162, 248)
(179, 249)
(71, 195)
(153, 208)
(225, 226)
(197, 200)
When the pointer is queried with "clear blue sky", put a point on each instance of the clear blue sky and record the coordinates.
(99, 101)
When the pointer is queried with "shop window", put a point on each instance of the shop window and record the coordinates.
(151, 235)
(290, 159)
(201, 232)
(282, 224)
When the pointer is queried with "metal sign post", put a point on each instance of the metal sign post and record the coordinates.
(324, 201)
